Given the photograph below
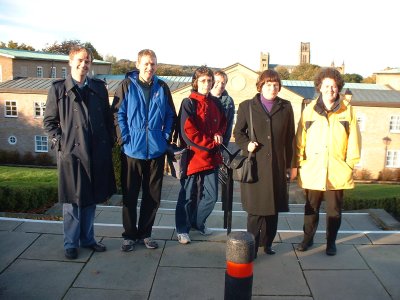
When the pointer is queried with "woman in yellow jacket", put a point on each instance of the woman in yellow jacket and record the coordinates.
(328, 143)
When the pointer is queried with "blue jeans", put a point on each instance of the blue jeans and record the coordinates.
(196, 200)
(78, 225)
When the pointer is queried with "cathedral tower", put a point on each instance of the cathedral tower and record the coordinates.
(305, 53)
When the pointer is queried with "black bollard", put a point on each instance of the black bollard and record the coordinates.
(239, 266)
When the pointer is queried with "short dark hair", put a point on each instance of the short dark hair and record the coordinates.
(268, 76)
(201, 71)
(331, 73)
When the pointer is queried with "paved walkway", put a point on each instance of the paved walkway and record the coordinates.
(33, 266)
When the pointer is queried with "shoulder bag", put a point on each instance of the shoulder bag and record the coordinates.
(245, 167)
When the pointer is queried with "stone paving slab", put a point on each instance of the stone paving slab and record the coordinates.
(385, 262)
(195, 255)
(117, 270)
(386, 237)
(279, 274)
(50, 247)
(38, 279)
(103, 294)
(188, 283)
(347, 258)
(12, 244)
(345, 285)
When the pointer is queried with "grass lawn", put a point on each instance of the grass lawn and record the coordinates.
(373, 191)
(20, 176)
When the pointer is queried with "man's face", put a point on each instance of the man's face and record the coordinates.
(219, 85)
(204, 84)
(80, 65)
(147, 67)
(329, 90)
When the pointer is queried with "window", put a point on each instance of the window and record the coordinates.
(393, 159)
(53, 72)
(361, 121)
(10, 109)
(41, 143)
(39, 109)
(39, 72)
(64, 72)
(395, 124)
(12, 140)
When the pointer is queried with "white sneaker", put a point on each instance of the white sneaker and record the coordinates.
(183, 238)
(206, 231)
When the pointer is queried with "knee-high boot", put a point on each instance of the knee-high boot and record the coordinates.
(309, 228)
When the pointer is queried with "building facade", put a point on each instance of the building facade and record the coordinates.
(22, 103)
(22, 63)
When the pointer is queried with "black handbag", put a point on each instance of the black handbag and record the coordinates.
(244, 168)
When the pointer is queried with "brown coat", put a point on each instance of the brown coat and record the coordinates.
(274, 132)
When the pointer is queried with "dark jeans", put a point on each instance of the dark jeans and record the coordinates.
(196, 200)
(78, 225)
(136, 174)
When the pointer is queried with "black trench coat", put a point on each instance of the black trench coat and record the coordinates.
(274, 132)
(82, 134)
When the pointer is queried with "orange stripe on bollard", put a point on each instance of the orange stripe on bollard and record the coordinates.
(239, 270)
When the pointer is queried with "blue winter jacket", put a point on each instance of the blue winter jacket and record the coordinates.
(143, 131)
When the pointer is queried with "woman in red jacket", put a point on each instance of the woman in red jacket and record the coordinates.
(202, 126)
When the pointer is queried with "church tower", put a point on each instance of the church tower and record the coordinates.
(305, 53)
(264, 61)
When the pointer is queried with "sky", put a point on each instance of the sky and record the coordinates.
(216, 33)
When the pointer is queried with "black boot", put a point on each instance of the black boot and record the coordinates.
(309, 228)
(331, 248)
(304, 245)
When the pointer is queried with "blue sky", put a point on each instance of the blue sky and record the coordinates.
(218, 33)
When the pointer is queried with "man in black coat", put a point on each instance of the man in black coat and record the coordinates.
(79, 124)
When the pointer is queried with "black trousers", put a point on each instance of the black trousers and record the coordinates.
(333, 207)
(263, 228)
(136, 174)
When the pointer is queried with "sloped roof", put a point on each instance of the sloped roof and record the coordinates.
(36, 55)
(390, 71)
(363, 94)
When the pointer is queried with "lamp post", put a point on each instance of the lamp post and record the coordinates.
(386, 140)
(348, 95)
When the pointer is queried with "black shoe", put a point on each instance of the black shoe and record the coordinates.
(331, 249)
(71, 253)
(303, 246)
(97, 247)
(269, 251)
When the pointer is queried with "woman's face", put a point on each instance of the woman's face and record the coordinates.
(204, 84)
(270, 90)
(329, 90)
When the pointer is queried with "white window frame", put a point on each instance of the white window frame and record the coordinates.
(393, 159)
(53, 72)
(394, 125)
(63, 72)
(39, 107)
(9, 107)
(39, 71)
(41, 143)
(12, 140)
(361, 120)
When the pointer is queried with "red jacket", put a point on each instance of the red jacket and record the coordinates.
(202, 118)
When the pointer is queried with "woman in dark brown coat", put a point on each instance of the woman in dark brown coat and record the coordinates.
(273, 124)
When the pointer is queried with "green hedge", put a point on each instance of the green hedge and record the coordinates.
(391, 205)
(25, 198)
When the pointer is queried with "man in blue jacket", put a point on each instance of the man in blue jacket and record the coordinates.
(144, 117)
